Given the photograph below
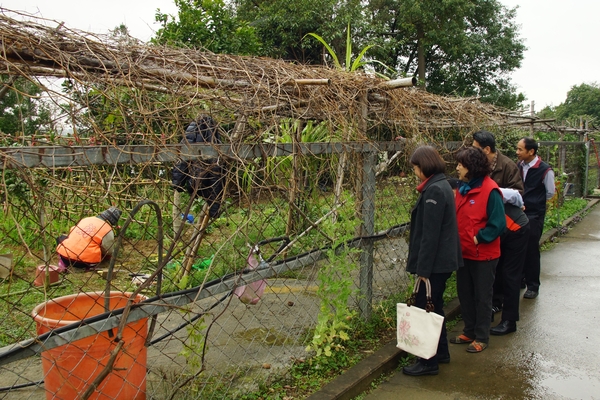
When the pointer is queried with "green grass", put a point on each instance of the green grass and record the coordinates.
(556, 216)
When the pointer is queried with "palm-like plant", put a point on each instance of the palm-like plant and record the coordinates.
(348, 66)
(359, 61)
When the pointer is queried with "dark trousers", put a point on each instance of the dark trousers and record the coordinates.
(531, 268)
(509, 272)
(438, 286)
(474, 283)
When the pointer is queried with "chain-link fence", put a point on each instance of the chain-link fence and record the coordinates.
(231, 285)
(311, 246)
(228, 297)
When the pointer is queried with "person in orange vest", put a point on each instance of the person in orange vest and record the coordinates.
(88, 242)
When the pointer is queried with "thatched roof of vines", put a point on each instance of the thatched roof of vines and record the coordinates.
(152, 88)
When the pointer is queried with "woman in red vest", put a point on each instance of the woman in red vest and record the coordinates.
(481, 221)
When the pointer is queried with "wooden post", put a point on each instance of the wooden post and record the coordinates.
(295, 182)
(368, 229)
(176, 213)
(199, 229)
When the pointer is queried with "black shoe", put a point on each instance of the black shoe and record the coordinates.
(503, 328)
(419, 369)
(444, 360)
(530, 294)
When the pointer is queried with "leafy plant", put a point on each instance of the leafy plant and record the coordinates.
(193, 349)
(349, 65)
(335, 290)
(555, 216)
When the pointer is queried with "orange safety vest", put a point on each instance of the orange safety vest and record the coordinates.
(85, 240)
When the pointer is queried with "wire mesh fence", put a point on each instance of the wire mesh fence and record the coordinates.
(207, 338)
(225, 301)
(568, 159)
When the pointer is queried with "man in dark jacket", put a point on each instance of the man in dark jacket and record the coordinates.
(504, 170)
(513, 242)
(538, 179)
(202, 177)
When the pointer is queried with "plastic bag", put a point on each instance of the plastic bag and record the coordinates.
(251, 293)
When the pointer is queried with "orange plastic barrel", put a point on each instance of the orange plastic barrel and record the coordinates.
(70, 369)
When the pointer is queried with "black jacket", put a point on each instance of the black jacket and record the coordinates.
(202, 176)
(434, 245)
(535, 190)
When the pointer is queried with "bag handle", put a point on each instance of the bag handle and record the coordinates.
(413, 297)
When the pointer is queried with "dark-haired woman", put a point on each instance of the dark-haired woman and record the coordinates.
(434, 247)
(481, 221)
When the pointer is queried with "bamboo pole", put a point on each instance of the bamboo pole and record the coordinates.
(308, 82)
(398, 83)
(176, 212)
(199, 230)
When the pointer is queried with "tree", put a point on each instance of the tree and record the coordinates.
(582, 101)
(208, 24)
(22, 112)
(281, 25)
(460, 47)
(547, 112)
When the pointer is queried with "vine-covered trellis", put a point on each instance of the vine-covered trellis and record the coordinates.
(303, 157)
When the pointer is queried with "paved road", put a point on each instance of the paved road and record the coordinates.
(555, 353)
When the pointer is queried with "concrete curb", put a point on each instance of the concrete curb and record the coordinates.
(358, 379)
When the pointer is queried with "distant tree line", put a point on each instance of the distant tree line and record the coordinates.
(582, 104)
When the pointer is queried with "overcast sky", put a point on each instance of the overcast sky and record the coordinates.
(560, 35)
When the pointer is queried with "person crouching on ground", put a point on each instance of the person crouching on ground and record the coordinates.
(434, 246)
(88, 242)
(481, 221)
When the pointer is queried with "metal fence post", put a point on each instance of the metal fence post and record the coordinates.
(587, 165)
(368, 227)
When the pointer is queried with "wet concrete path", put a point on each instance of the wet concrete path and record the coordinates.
(555, 353)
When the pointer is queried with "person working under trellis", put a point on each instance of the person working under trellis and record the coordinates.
(89, 242)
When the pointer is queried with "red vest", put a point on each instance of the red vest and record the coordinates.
(85, 240)
(471, 216)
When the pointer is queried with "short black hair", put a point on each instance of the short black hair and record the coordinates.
(428, 160)
(475, 161)
(485, 139)
(530, 143)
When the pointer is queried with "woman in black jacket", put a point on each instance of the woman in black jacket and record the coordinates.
(434, 248)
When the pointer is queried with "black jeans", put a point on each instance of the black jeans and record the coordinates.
(532, 268)
(438, 286)
(474, 283)
(509, 272)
